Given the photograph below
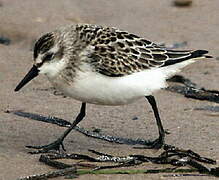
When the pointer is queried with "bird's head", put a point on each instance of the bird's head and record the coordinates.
(48, 58)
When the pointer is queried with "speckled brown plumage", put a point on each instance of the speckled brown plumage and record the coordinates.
(112, 52)
(43, 44)
(118, 53)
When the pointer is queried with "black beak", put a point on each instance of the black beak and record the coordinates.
(29, 76)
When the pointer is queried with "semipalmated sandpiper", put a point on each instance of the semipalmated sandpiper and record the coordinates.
(105, 66)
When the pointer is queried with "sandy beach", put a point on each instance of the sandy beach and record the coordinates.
(23, 21)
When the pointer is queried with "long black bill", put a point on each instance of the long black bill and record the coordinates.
(29, 76)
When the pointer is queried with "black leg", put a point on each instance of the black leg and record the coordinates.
(158, 143)
(59, 142)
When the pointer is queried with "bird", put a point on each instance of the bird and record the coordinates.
(102, 65)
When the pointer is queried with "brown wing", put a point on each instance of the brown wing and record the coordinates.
(118, 53)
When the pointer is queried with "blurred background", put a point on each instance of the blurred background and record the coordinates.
(195, 23)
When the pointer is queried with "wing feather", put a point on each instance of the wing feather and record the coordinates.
(119, 53)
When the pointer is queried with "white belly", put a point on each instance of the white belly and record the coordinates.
(95, 88)
(92, 87)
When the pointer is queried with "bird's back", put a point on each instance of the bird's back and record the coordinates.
(117, 53)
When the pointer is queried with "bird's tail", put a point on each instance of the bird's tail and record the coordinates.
(181, 59)
(200, 53)
(181, 56)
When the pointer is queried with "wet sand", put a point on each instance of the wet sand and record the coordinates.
(23, 21)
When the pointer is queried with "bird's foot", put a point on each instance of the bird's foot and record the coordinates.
(54, 146)
(156, 144)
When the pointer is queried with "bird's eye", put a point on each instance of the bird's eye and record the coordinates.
(48, 57)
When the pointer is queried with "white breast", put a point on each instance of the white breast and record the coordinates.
(92, 87)
(95, 88)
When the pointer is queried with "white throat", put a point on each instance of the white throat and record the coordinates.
(52, 69)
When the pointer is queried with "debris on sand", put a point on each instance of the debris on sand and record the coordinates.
(4, 40)
(182, 3)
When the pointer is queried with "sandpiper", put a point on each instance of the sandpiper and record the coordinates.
(105, 66)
